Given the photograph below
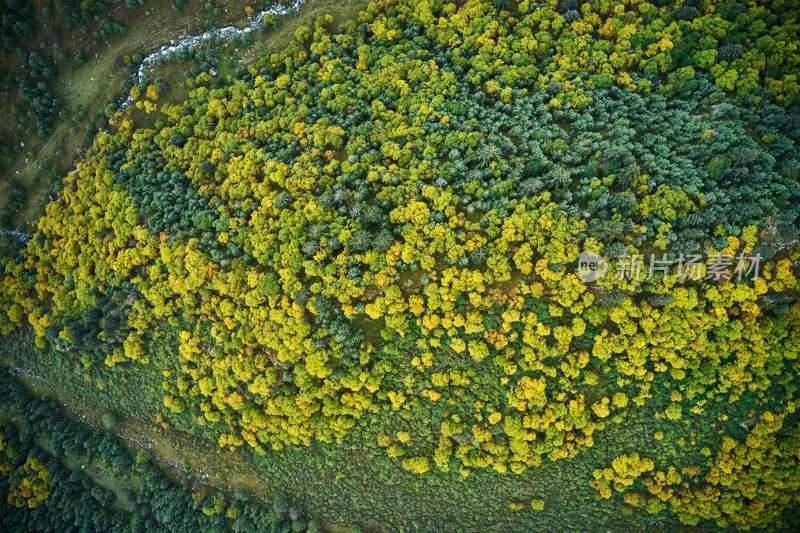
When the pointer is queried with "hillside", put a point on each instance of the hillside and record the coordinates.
(474, 266)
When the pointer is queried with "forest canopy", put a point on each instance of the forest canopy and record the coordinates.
(386, 219)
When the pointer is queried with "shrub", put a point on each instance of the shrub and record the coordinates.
(109, 420)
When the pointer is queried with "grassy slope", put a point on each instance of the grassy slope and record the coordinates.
(353, 481)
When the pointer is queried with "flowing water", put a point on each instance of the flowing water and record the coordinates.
(226, 32)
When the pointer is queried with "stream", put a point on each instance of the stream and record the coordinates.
(23, 238)
(226, 32)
